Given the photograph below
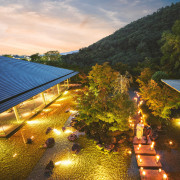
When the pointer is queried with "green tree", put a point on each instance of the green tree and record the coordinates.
(171, 50)
(8, 55)
(100, 101)
(35, 57)
(52, 56)
(157, 76)
(160, 99)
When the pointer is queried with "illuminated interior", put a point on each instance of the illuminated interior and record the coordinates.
(15, 116)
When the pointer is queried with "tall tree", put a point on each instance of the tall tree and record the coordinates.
(160, 98)
(100, 100)
(171, 50)
(52, 56)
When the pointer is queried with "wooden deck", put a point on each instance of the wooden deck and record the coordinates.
(151, 174)
(144, 150)
(148, 162)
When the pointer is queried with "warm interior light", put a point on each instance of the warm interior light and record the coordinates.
(65, 92)
(26, 114)
(170, 142)
(66, 162)
(141, 168)
(138, 156)
(144, 173)
(57, 131)
(139, 145)
(160, 170)
(140, 160)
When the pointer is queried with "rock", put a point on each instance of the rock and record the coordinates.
(29, 141)
(121, 141)
(76, 148)
(114, 141)
(48, 130)
(63, 129)
(50, 142)
(67, 110)
(72, 137)
(49, 168)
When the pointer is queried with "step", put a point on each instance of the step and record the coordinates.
(148, 162)
(144, 150)
(152, 174)
(141, 141)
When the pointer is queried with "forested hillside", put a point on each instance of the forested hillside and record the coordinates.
(138, 43)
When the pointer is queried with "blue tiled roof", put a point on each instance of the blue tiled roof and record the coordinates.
(21, 80)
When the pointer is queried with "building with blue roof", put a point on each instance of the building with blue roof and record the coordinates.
(26, 88)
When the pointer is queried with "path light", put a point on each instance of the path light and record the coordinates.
(33, 122)
(130, 152)
(57, 131)
(65, 162)
(164, 176)
(157, 158)
(170, 143)
(160, 169)
(65, 92)
(14, 155)
(152, 145)
(68, 131)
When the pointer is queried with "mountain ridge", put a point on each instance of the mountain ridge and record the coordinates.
(136, 42)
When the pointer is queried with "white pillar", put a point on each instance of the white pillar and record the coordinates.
(58, 87)
(68, 83)
(16, 113)
(43, 98)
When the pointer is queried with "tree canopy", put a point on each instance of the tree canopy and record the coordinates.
(100, 100)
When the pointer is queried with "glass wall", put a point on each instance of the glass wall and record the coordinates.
(50, 94)
(8, 122)
(28, 108)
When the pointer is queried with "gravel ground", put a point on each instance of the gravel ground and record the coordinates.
(31, 160)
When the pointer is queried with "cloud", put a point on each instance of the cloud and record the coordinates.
(30, 26)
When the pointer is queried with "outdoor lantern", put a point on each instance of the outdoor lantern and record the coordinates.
(160, 170)
(157, 158)
(164, 176)
(143, 173)
(170, 143)
(130, 152)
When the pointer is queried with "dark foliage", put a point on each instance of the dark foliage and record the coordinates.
(138, 43)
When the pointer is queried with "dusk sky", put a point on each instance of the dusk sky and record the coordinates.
(37, 26)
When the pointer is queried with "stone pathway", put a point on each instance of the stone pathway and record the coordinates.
(149, 167)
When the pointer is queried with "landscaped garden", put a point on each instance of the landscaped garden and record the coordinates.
(19, 158)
